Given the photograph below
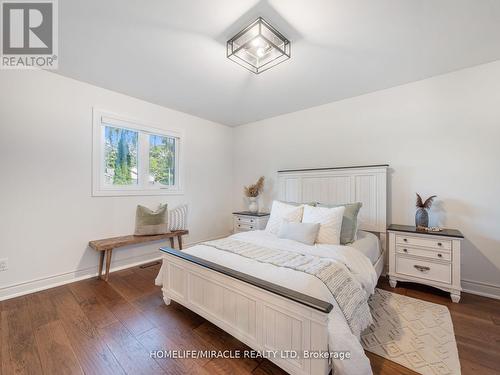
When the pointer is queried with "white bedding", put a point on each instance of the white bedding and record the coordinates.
(340, 336)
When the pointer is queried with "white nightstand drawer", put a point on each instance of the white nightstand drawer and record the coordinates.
(440, 244)
(424, 269)
(245, 220)
(242, 227)
(426, 253)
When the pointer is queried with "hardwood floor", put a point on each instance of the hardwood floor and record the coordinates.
(94, 327)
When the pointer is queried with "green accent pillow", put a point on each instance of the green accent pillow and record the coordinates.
(349, 221)
(149, 222)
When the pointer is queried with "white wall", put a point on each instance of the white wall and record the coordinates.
(47, 212)
(440, 136)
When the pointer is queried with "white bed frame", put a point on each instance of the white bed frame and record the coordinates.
(262, 319)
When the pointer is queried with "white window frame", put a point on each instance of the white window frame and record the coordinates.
(143, 187)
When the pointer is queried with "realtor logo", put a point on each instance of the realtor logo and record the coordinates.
(29, 34)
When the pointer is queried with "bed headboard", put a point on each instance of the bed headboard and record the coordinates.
(366, 184)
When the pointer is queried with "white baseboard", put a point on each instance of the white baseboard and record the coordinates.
(31, 286)
(481, 289)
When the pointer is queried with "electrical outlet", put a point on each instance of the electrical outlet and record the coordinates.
(4, 264)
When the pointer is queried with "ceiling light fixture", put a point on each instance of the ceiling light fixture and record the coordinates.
(258, 47)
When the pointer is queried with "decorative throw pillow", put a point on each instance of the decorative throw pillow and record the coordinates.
(301, 232)
(148, 222)
(281, 211)
(177, 218)
(330, 220)
(349, 221)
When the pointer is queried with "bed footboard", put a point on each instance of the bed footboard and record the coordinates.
(264, 320)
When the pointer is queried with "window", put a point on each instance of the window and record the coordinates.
(131, 159)
(120, 156)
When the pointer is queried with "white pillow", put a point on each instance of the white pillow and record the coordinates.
(301, 232)
(281, 211)
(177, 218)
(330, 220)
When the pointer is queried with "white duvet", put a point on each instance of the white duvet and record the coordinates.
(340, 336)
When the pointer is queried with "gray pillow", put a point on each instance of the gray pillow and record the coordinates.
(301, 232)
(300, 204)
(349, 221)
(149, 222)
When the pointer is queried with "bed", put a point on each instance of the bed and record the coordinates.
(281, 311)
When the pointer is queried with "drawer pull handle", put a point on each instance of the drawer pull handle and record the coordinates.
(251, 227)
(422, 268)
(251, 221)
(440, 244)
(239, 219)
(405, 250)
(440, 255)
(239, 225)
(405, 239)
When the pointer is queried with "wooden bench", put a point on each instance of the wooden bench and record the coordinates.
(106, 245)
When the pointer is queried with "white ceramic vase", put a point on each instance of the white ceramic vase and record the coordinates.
(253, 205)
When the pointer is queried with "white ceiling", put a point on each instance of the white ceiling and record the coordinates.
(172, 52)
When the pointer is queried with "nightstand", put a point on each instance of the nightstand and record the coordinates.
(246, 220)
(431, 258)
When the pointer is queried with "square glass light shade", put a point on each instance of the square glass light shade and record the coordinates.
(258, 47)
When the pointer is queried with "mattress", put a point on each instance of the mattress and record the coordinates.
(360, 267)
(368, 244)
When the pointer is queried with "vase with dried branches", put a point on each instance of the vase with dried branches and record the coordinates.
(252, 193)
(422, 214)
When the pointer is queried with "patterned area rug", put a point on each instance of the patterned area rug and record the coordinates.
(416, 334)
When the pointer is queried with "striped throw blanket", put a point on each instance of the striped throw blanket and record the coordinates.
(350, 296)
